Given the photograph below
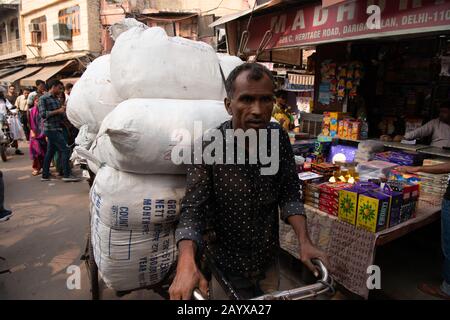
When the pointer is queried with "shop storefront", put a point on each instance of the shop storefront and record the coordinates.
(376, 77)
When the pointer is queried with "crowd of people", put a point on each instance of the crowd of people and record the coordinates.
(42, 113)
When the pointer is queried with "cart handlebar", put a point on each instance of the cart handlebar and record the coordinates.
(323, 285)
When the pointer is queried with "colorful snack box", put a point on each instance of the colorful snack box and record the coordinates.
(341, 132)
(335, 117)
(355, 130)
(326, 124)
(328, 197)
(395, 206)
(410, 197)
(334, 188)
(373, 211)
(330, 204)
(328, 210)
(348, 203)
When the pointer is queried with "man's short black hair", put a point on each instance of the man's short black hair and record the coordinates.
(69, 86)
(26, 89)
(39, 82)
(256, 73)
(55, 83)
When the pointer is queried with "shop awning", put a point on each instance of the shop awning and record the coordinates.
(70, 80)
(258, 8)
(45, 74)
(8, 71)
(234, 16)
(19, 75)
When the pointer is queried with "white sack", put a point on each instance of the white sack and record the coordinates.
(130, 260)
(129, 201)
(147, 63)
(139, 135)
(93, 96)
(228, 63)
(126, 24)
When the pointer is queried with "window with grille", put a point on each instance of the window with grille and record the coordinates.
(39, 37)
(71, 17)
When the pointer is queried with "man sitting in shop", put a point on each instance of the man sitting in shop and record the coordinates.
(438, 129)
(281, 110)
(244, 203)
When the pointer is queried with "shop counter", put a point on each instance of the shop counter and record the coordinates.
(436, 152)
(352, 250)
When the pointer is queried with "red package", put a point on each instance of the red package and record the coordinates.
(328, 210)
(330, 204)
(333, 188)
(330, 198)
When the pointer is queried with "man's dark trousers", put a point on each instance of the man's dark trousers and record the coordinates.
(56, 142)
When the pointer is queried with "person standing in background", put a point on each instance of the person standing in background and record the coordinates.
(41, 88)
(11, 96)
(38, 141)
(22, 106)
(281, 110)
(68, 88)
(52, 113)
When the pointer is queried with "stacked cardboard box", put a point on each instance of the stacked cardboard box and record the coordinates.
(329, 197)
(307, 178)
(349, 198)
(312, 195)
(324, 169)
(410, 197)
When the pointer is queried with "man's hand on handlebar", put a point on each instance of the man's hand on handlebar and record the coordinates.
(188, 275)
(308, 252)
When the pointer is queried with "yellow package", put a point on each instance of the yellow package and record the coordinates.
(348, 206)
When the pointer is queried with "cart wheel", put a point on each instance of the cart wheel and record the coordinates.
(3, 153)
(93, 271)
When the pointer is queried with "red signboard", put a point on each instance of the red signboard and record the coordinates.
(313, 24)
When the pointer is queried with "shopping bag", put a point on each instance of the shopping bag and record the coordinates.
(16, 129)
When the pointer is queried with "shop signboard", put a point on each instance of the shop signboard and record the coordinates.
(350, 20)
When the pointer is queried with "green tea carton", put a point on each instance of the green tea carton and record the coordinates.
(373, 211)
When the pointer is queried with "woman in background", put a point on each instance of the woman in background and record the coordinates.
(38, 142)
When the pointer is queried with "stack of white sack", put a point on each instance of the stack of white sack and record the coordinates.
(132, 226)
(135, 199)
(171, 87)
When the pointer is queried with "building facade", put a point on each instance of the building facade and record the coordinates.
(57, 38)
(185, 18)
(11, 54)
(56, 29)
